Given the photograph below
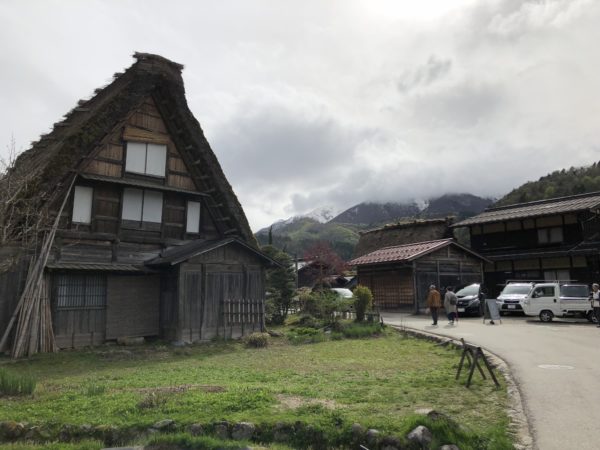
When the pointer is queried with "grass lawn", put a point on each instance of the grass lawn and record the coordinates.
(377, 382)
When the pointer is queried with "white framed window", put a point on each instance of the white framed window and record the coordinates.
(550, 235)
(193, 217)
(142, 205)
(82, 204)
(147, 159)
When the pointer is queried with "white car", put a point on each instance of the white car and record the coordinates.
(512, 296)
(343, 292)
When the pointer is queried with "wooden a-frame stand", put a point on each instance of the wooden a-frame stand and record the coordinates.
(473, 354)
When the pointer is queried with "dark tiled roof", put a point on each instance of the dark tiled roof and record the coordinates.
(179, 253)
(407, 252)
(539, 208)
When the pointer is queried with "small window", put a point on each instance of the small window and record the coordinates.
(148, 159)
(193, 217)
(550, 235)
(82, 204)
(142, 205)
(79, 291)
(544, 291)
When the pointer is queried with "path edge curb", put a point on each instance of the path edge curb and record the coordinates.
(519, 424)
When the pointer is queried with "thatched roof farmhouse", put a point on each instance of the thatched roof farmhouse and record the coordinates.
(94, 212)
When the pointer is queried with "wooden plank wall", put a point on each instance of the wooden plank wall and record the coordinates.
(144, 125)
(392, 288)
(76, 326)
(222, 294)
(132, 306)
(106, 208)
(12, 283)
(169, 316)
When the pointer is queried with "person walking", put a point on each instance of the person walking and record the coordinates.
(596, 302)
(434, 303)
(450, 301)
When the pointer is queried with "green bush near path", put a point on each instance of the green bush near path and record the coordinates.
(377, 382)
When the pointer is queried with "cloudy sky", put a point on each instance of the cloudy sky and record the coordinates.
(314, 103)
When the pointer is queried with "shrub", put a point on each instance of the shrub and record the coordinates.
(363, 298)
(323, 305)
(309, 321)
(257, 340)
(16, 384)
(360, 330)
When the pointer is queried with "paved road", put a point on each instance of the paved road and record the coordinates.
(556, 365)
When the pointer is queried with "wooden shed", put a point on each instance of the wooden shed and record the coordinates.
(125, 209)
(399, 276)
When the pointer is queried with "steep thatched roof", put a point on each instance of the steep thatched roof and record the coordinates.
(49, 163)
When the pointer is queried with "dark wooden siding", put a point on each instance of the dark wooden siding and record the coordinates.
(221, 294)
(106, 208)
(392, 287)
(133, 306)
(169, 315)
(523, 234)
(12, 282)
(79, 309)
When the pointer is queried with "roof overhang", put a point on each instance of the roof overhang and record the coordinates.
(98, 267)
(442, 244)
(181, 253)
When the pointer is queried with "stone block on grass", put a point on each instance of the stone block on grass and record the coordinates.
(421, 435)
(243, 431)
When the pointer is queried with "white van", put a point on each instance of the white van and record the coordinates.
(550, 300)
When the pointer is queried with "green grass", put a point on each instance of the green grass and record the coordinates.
(378, 382)
(16, 384)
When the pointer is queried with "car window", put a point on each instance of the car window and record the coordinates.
(574, 291)
(544, 291)
(472, 289)
(516, 289)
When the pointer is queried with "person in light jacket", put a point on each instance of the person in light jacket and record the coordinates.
(434, 303)
(450, 301)
(595, 297)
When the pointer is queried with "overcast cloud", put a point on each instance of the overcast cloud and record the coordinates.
(312, 103)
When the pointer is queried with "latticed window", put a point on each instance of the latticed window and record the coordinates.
(80, 291)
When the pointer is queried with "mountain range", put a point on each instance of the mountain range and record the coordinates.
(342, 229)
(296, 234)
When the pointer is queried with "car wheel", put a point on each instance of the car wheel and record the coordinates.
(546, 316)
(591, 317)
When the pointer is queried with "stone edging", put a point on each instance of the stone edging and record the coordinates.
(519, 425)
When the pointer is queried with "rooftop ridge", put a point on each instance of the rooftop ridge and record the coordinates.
(407, 223)
(543, 201)
(412, 244)
(152, 57)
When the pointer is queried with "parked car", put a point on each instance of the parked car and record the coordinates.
(470, 300)
(512, 296)
(549, 300)
(342, 292)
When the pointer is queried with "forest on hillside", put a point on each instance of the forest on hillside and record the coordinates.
(560, 183)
